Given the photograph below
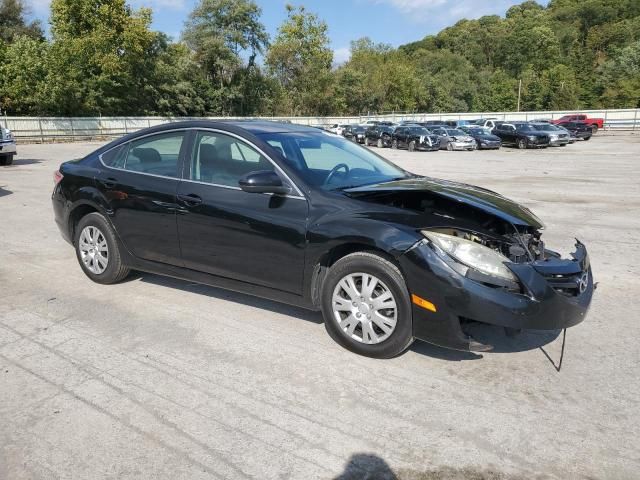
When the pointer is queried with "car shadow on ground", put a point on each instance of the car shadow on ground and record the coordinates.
(371, 467)
(4, 192)
(487, 334)
(17, 162)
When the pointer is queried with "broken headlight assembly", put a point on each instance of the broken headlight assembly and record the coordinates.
(473, 260)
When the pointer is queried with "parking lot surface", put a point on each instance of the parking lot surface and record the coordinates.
(159, 378)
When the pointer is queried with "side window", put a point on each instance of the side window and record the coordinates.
(116, 156)
(157, 155)
(222, 160)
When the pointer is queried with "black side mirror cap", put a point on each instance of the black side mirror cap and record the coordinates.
(263, 181)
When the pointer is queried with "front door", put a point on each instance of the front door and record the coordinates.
(252, 237)
(140, 184)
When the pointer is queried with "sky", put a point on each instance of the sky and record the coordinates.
(395, 22)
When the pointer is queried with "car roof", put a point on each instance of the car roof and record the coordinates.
(255, 127)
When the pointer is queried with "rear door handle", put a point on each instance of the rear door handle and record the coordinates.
(191, 199)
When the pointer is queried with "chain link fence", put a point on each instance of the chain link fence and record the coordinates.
(48, 129)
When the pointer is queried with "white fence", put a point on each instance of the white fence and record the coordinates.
(44, 129)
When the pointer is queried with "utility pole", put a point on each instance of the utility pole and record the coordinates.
(519, 93)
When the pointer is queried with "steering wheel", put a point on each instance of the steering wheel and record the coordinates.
(334, 170)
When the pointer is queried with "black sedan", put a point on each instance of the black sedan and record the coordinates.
(378, 135)
(578, 129)
(302, 216)
(355, 133)
(414, 138)
(521, 134)
(484, 139)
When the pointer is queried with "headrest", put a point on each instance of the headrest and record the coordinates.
(208, 155)
(147, 155)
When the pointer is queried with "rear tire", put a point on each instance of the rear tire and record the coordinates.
(363, 337)
(6, 160)
(107, 269)
(587, 138)
(412, 146)
(522, 144)
(594, 129)
(394, 144)
(380, 144)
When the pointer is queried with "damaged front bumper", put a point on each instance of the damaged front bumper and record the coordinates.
(555, 293)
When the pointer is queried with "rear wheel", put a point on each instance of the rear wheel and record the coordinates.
(450, 146)
(366, 306)
(379, 144)
(366, 142)
(97, 250)
(587, 138)
(394, 144)
(594, 129)
(6, 159)
(412, 146)
(522, 144)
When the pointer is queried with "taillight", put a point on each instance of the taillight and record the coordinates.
(57, 177)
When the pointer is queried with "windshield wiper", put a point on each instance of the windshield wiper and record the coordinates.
(347, 187)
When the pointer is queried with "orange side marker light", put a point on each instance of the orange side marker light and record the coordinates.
(421, 302)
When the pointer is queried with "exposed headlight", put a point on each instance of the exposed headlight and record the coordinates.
(472, 255)
(532, 138)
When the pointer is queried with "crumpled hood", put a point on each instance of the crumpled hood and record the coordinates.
(480, 198)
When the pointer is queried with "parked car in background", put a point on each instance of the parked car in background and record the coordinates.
(337, 128)
(489, 123)
(8, 147)
(521, 134)
(379, 135)
(572, 136)
(355, 133)
(594, 123)
(433, 123)
(483, 137)
(414, 138)
(558, 137)
(454, 139)
(580, 130)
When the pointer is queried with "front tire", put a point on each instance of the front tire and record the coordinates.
(450, 147)
(97, 250)
(587, 138)
(6, 160)
(366, 306)
(394, 144)
(380, 144)
(412, 146)
(366, 142)
(522, 144)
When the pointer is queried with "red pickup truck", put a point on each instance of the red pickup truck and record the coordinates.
(596, 123)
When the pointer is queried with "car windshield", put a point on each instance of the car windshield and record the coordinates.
(358, 129)
(419, 131)
(526, 127)
(476, 129)
(331, 162)
(454, 131)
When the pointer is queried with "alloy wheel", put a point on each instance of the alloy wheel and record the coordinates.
(364, 308)
(379, 143)
(94, 250)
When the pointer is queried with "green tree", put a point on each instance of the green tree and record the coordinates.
(13, 22)
(300, 58)
(22, 76)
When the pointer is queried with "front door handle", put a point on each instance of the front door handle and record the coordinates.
(191, 199)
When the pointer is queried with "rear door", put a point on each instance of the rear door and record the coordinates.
(140, 181)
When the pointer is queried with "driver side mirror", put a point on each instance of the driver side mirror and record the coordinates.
(263, 181)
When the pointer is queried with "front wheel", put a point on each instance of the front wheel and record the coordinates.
(412, 146)
(587, 138)
(522, 144)
(97, 250)
(450, 146)
(6, 160)
(380, 144)
(594, 129)
(366, 142)
(366, 306)
(394, 144)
